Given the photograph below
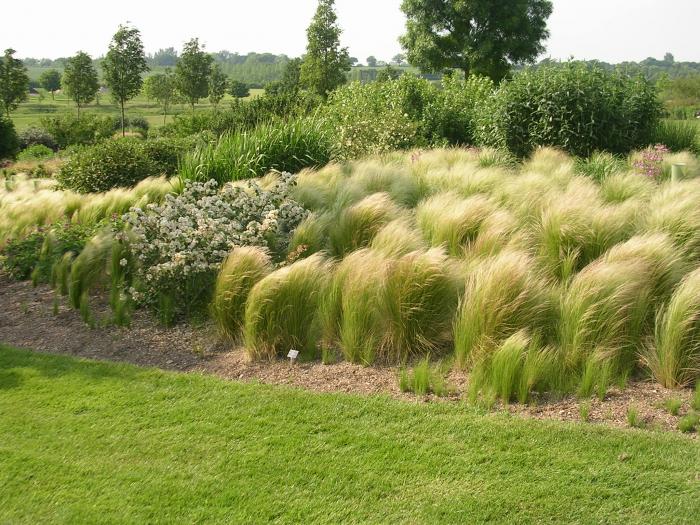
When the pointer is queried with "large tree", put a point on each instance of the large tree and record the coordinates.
(14, 82)
(192, 72)
(80, 79)
(477, 36)
(161, 88)
(325, 62)
(217, 85)
(123, 66)
(50, 80)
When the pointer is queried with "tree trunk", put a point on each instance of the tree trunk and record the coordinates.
(53, 95)
(466, 72)
(123, 130)
(78, 110)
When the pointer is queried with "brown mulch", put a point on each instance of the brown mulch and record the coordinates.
(28, 319)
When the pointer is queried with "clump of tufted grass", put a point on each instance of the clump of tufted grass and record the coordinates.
(424, 379)
(89, 268)
(281, 311)
(601, 165)
(241, 270)
(504, 294)
(397, 238)
(515, 369)
(356, 225)
(674, 210)
(446, 219)
(621, 187)
(674, 360)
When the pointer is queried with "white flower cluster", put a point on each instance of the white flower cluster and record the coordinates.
(188, 236)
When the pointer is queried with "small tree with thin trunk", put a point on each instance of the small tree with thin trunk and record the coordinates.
(80, 79)
(123, 66)
(192, 72)
(50, 80)
(161, 88)
(14, 82)
(217, 85)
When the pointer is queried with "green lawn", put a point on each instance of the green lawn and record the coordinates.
(88, 442)
(31, 112)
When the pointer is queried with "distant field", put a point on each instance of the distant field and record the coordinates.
(31, 112)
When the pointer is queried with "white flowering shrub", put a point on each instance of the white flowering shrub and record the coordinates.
(178, 246)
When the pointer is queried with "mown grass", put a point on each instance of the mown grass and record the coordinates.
(31, 112)
(90, 442)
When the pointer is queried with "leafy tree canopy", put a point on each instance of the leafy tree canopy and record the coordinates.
(485, 37)
(80, 79)
(192, 72)
(14, 82)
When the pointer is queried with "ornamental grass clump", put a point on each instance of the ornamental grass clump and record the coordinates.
(448, 220)
(281, 311)
(356, 225)
(242, 269)
(674, 360)
(504, 294)
(515, 369)
(674, 210)
(397, 238)
(181, 244)
(604, 312)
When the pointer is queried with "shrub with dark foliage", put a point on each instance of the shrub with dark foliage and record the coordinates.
(9, 145)
(575, 107)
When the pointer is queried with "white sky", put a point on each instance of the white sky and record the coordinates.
(610, 30)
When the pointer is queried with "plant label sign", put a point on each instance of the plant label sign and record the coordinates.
(292, 355)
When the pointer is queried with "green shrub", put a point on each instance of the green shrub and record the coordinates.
(20, 256)
(113, 163)
(241, 270)
(165, 153)
(282, 146)
(9, 143)
(678, 135)
(281, 310)
(577, 108)
(34, 135)
(36, 152)
(68, 129)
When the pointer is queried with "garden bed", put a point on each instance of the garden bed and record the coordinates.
(29, 320)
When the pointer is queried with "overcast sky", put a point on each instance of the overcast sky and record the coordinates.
(610, 30)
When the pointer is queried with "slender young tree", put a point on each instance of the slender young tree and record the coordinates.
(192, 72)
(123, 66)
(325, 62)
(50, 80)
(217, 85)
(80, 79)
(485, 37)
(238, 89)
(161, 88)
(14, 82)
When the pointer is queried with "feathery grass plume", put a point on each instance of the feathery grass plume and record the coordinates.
(417, 304)
(601, 165)
(60, 273)
(504, 294)
(351, 311)
(665, 264)
(357, 225)
(463, 178)
(397, 238)
(576, 228)
(624, 186)
(604, 312)
(376, 175)
(498, 231)
(242, 269)
(674, 360)
(527, 194)
(515, 369)
(281, 311)
(446, 219)
(317, 189)
(311, 235)
(488, 157)
(551, 162)
(675, 211)
(89, 267)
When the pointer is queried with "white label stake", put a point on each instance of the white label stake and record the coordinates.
(292, 355)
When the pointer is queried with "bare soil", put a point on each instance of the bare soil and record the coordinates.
(32, 318)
